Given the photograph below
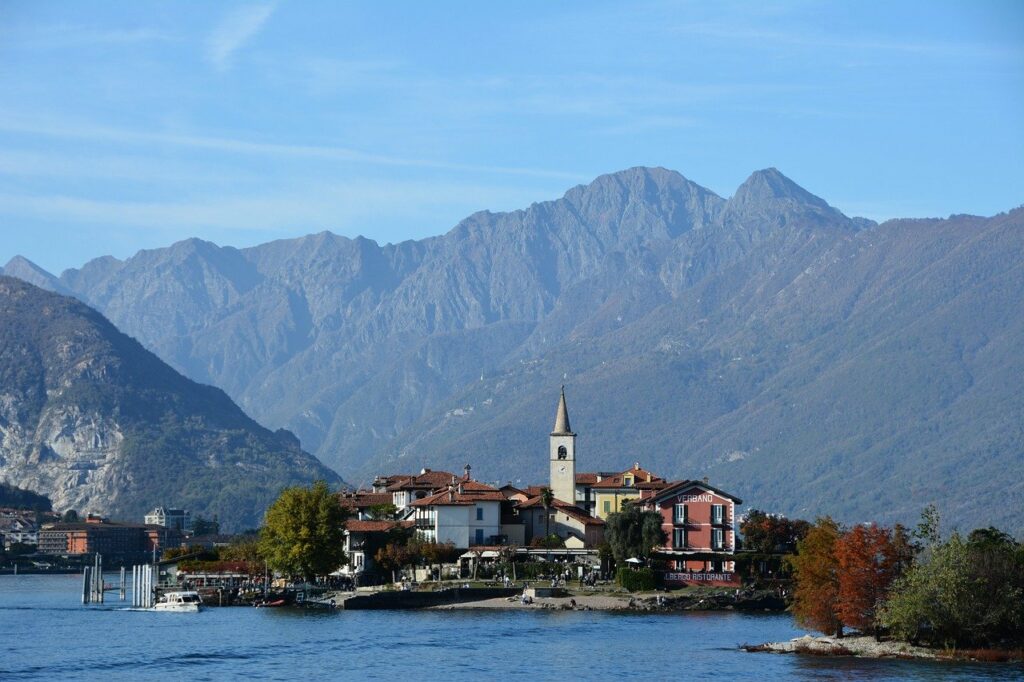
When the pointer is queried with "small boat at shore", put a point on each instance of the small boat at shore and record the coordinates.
(179, 602)
(274, 603)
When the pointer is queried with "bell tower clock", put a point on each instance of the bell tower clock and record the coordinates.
(563, 455)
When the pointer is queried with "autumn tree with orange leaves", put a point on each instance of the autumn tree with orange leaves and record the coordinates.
(867, 564)
(816, 570)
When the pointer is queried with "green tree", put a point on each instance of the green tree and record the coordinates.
(304, 532)
(633, 532)
(927, 531)
(382, 512)
(245, 548)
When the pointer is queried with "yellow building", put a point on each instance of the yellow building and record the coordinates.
(610, 492)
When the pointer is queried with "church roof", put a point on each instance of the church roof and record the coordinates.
(562, 427)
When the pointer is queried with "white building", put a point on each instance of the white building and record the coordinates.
(467, 514)
(179, 519)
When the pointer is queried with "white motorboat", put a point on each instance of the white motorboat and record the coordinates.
(179, 602)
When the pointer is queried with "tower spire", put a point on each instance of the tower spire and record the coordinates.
(562, 418)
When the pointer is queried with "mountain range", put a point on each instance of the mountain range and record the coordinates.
(810, 362)
(99, 424)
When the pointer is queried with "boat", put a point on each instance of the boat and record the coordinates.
(179, 602)
(271, 604)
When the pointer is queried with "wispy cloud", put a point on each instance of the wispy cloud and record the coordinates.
(246, 147)
(60, 36)
(234, 30)
(752, 35)
(354, 205)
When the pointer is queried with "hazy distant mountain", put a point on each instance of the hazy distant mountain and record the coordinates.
(97, 423)
(811, 362)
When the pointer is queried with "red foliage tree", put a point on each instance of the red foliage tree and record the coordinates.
(867, 562)
(816, 571)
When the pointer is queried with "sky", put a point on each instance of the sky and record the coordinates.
(132, 125)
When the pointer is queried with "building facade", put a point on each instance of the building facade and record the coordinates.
(466, 515)
(178, 519)
(611, 492)
(699, 523)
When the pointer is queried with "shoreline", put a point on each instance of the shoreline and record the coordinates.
(644, 602)
(864, 646)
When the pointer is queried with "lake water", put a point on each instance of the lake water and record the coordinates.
(47, 634)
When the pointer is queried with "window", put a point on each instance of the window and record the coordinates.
(607, 506)
(678, 537)
(479, 513)
(717, 538)
(681, 513)
(627, 481)
(717, 513)
(562, 452)
(479, 536)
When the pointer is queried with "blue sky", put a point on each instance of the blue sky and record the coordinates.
(133, 125)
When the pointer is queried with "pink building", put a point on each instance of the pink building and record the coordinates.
(699, 522)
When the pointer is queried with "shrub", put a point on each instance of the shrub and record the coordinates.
(635, 580)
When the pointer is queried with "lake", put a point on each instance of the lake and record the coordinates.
(48, 635)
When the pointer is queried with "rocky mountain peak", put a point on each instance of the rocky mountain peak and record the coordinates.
(771, 185)
(26, 270)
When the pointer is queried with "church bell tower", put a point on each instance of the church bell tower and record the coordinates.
(563, 455)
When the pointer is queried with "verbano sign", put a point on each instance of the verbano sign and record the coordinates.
(705, 497)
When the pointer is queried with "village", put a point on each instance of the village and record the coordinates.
(554, 533)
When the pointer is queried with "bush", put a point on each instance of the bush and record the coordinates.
(635, 580)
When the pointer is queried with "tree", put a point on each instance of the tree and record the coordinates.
(242, 549)
(866, 561)
(547, 498)
(633, 532)
(434, 553)
(766, 533)
(816, 572)
(382, 512)
(930, 602)
(70, 516)
(927, 531)
(303, 532)
(392, 557)
(962, 593)
(552, 541)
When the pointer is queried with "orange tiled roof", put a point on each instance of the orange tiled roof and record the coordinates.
(428, 480)
(361, 499)
(447, 498)
(566, 508)
(357, 526)
(586, 479)
(639, 476)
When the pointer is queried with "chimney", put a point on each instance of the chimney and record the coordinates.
(705, 480)
(467, 470)
(636, 465)
(461, 489)
(424, 470)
